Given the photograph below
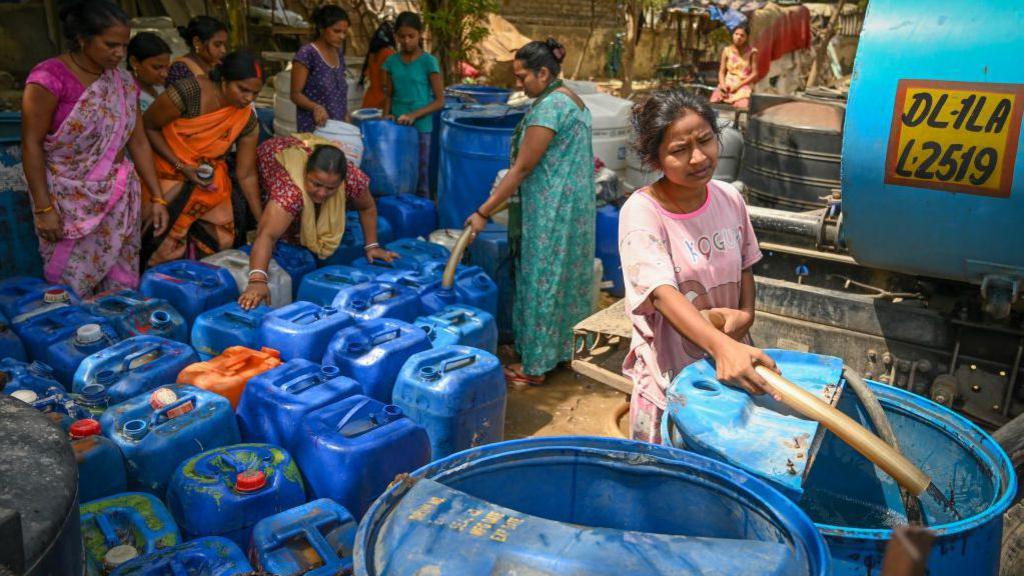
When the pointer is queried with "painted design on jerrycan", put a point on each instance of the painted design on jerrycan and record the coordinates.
(373, 352)
(458, 394)
(132, 314)
(227, 490)
(228, 373)
(23, 297)
(276, 402)
(237, 263)
(302, 330)
(427, 285)
(378, 300)
(157, 431)
(100, 465)
(41, 332)
(297, 261)
(461, 325)
(210, 556)
(68, 353)
(121, 527)
(229, 325)
(10, 343)
(191, 287)
(134, 366)
(314, 539)
(322, 286)
(351, 450)
(409, 216)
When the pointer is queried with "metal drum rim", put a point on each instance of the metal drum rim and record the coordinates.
(786, 513)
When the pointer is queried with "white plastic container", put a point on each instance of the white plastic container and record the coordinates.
(446, 237)
(347, 136)
(611, 127)
(237, 263)
(284, 108)
(500, 217)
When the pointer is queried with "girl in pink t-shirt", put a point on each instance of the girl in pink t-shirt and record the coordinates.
(687, 246)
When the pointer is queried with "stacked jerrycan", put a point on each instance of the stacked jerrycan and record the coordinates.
(226, 491)
(28, 381)
(10, 343)
(67, 354)
(276, 402)
(353, 241)
(157, 431)
(119, 528)
(373, 352)
(295, 260)
(191, 287)
(134, 366)
(132, 314)
(320, 287)
(228, 373)
(21, 298)
(225, 326)
(41, 332)
(457, 393)
(210, 556)
(472, 286)
(351, 450)
(302, 329)
(410, 216)
(237, 263)
(462, 325)
(100, 465)
(426, 284)
(313, 539)
(490, 252)
(378, 300)
(420, 251)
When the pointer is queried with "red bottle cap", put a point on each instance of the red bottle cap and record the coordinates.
(250, 481)
(84, 428)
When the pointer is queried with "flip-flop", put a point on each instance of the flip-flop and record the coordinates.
(523, 379)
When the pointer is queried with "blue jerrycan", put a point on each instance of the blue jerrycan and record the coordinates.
(314, 539)
(302, 329)
(100, 465)
(191, 287)
(373, 352)
(132, 314)
(297, 261)
(378, 300)
(10, 342)
(320, 287)
(410, 216)
(120, 527)
(134, 366)
(462, 325)
(68, 353)
(210, 556)
(225, 326)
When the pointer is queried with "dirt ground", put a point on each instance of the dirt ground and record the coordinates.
(567, 404)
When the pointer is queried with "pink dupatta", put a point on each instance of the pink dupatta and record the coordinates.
(87, 185)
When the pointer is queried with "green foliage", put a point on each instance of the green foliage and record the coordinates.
(456, 26)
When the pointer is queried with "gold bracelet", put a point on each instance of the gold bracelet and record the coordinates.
(42, 211)
(159, 200)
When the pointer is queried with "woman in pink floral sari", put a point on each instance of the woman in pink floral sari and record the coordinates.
(80, 117)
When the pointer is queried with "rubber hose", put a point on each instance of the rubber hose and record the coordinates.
(884, 429)
(448, 278)
(611, 423)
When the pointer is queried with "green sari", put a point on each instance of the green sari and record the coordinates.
(551, 231)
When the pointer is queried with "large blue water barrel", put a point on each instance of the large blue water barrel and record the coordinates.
(475, 146)
(607, 248)
(19, 247)
(854, 504)
(477, 94)
(581, 505)
(935, 186)
(391, 157)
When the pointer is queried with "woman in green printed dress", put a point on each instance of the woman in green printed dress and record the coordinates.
(550, 186)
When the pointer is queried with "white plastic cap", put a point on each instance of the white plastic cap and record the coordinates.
(89, 333)
(119, 555)
(26, 396)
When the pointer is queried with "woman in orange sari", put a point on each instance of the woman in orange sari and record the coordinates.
(192, 126)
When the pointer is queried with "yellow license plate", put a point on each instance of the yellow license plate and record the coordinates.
(955, 136)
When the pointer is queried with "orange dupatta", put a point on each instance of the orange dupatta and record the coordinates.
(205, 138)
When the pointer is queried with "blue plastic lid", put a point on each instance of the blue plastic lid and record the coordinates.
(159, 319)
(135, 429)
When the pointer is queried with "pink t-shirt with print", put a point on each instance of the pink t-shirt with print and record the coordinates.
(702, 254)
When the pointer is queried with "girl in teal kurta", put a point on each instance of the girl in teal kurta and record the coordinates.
(551, 222)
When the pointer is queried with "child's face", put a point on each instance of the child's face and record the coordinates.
(408, 39)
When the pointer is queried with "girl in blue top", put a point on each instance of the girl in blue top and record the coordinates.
(413, 88)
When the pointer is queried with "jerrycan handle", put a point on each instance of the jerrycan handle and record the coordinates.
(242, 319)
(386, 336)
(456, 317)
(110, 537)
(127, 363)
(160, 416)
(457, 363)
(383, 295)
(231, 461)
(406, 281)
(351, 414)
(311, 534)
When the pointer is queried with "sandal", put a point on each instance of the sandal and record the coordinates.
(519, 379)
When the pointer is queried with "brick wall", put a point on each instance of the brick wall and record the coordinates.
(560, 13)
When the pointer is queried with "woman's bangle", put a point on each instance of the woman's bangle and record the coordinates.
(178, 165)
(371, 246)
(481, 214)
(42, 211)
(159, 200)
(257, 281)
(258, 271)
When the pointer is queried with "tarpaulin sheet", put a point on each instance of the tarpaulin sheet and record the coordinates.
(777, 31)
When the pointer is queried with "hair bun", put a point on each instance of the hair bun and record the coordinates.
(557, 50)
